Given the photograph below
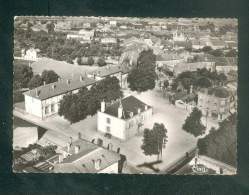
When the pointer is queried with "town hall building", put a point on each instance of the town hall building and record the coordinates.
(123, 119)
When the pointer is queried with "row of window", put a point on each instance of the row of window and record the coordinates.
(52, 109)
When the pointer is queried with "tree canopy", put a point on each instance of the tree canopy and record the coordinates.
(142, 76)
(193, 123)
(221, 143)
(76, 107)
(22, 75)
(154, 140)
(49, 76)
(36, 81)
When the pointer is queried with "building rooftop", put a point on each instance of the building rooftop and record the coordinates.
(83, 161)
(109, 70)
(130, 104)
(59, 87)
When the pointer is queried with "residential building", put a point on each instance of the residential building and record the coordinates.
(81, 156)
(108, 40)
(168, 61)
(82, 35)
(215, 102)
(179, 36)
(44, 101)
(121, 73)
(30, 54)
(123, 119)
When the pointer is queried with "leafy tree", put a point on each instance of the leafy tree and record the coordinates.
(101, 62)
(142, 77)
(49, 76)
(221, 143)
(193, 123)
(154, 140)
(231, 53)
(165, 84)
(36, 81)
(207, 49)
(203, 82)
(22, 75)
(50, 28)
(90, 60)
(217, 53)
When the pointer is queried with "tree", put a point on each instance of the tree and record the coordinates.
(217, 53)
(193, 123)
(22, 74)
(232, 53)
(207, 49)
(154, 140)
(165, 84)
(49, 76)
(221, 143)
(203, 82)
(142, 77)
(101, 62)
(50, 27)
(90, 60)
(36, 81)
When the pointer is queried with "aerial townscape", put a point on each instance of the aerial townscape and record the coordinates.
(125, 95)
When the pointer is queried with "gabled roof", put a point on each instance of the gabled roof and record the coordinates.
(129, 104)
(83, 162)
(59, 87)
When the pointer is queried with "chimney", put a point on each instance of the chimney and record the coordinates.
(120, 111)
(145, 107)
(37, 92)
(139, 110)
(44, 83)
(71, 141)
(76, 149)
(97, 164)
(102, 106)
(81, 78)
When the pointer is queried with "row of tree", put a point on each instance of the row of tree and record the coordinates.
(221, 143)
(76, 107)
(142, 76)
(202, 78)
(47, 76)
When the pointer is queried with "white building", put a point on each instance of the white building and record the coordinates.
(82, 35)
(108, 40)
(30, 54)
(44, 101)
(82, 156)
(123, 119)
(121, 73)
(113, 23)
(179, 36)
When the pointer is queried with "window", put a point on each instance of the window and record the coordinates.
(108, 129)
(108, 120)
(46, 110)
(52, 107)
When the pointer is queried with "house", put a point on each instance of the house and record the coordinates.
(108, 40)
(198, 44)
(82, 156)
(121, 73)
(123, 118)
(44, 101)
(179, 36)
(30, 54)
(168, 61)
(113, 23)
(215, 102)
(183, 67)
(82, 35)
